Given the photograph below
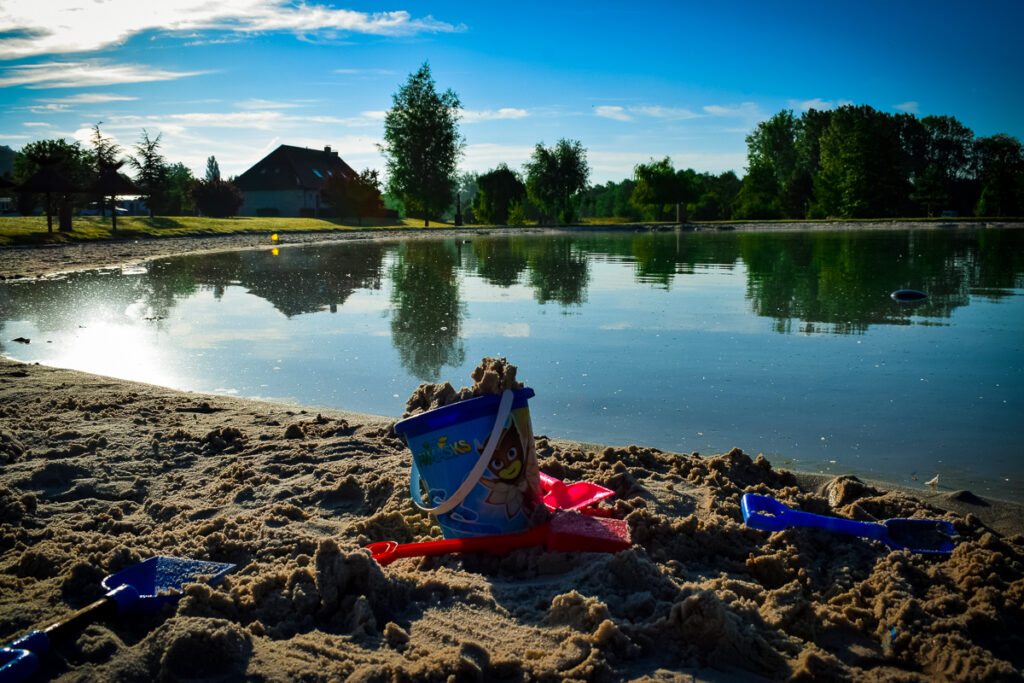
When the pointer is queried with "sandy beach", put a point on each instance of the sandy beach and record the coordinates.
(99, 474)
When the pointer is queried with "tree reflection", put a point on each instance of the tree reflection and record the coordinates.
(426, 317)
(558, 271)
(842, 280)
(500, 262)
(295, 280)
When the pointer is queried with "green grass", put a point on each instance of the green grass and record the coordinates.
(28, 230)
(23, 230)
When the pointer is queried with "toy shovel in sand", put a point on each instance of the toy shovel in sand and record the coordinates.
(916, 535)
(566, 532)
(146, 586)
(580, 494)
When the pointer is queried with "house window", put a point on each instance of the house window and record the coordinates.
(317, 173)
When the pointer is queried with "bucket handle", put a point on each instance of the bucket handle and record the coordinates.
(504, 408)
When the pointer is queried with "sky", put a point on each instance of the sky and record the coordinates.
(631, 81)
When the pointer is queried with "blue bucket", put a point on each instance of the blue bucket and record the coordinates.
(474, 465)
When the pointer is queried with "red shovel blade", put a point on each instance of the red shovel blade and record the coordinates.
(558, 495)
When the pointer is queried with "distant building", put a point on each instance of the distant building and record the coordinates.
(287, 182)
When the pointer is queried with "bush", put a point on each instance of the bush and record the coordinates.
(269, 212)
(307, 213)
(216, 198)
(516, 215)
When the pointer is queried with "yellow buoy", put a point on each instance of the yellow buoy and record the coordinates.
(273, 238)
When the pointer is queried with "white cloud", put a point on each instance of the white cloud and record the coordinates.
(629, 113)
(88, 98)
(909, 107)
(85, 74)
(256, 103)
(64, 26)
(469, 116)
(746, 110)
(482, 157)
(52, 108)
(36, 124)
(673, 113)
(612, 112)
(817, 103)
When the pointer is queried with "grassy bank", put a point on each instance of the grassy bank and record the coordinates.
(24, 230)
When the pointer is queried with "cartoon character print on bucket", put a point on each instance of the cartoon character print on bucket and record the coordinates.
(450, 477)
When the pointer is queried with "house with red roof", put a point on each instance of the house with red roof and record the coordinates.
(288, 182)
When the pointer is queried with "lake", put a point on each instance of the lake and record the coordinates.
(782, 343)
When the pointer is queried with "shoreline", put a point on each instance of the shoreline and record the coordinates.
(98, 474)
(28, 261)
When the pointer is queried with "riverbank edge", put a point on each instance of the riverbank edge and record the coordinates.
(45, 261)
(29, 261)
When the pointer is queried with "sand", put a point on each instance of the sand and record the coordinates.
(97, 474)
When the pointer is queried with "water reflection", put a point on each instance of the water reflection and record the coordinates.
(295, 281)
(835, 282)
(774, 342)
(427, 314)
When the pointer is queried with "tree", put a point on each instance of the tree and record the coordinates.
(212, 169)
(660, 189)
(497, 191)
(151, 171)
(758, 196)
(863, 172)
(356, 195)
(422, 145)
(108, 180)
(179, 190)
(55, 169)
(466, 195)
(1000, 162)
(772, 150)
(554, 176)
(948, 165)
(216, 198)
(717, 196)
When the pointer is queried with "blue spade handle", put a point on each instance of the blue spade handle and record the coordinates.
(768, 514)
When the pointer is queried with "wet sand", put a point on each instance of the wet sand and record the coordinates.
(98, 474)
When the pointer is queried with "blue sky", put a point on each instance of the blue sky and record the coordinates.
(631, 81)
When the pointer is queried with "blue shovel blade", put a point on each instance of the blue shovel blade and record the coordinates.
(916, 535)
(159, 580)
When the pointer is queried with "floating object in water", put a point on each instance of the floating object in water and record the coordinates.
(934, 481)
(916, 535)
(273, 238)
(908, 295)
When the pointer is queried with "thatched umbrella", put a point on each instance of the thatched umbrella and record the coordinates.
(47, 180)
(112, 183)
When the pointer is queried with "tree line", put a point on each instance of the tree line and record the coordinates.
(850, 162)
(62, 175)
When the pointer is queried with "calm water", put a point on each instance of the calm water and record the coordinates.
(785, 344)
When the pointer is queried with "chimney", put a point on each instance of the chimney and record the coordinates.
(327, 148)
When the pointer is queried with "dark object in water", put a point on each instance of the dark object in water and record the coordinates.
(908, 295)
(915, 535)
